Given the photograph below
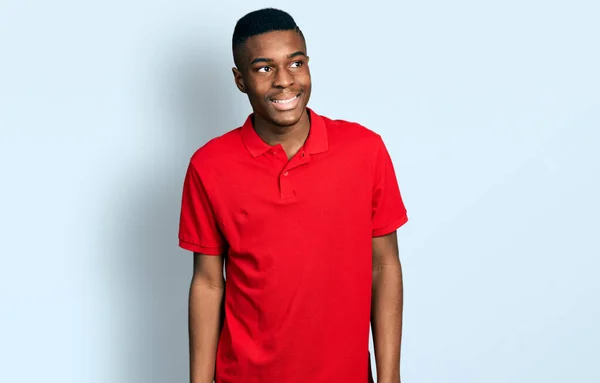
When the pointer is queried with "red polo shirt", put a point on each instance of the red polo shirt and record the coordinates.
(297, 238)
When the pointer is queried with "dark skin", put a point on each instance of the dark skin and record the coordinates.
(274, 66)
(386, 307)
(270, 67)
(207, 291)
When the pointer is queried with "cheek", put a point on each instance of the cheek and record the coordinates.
(258, 88)
(304, 79)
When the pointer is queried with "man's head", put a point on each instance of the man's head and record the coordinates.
(271, 61)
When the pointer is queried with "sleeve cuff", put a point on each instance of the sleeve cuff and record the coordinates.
(391, 227)
(199, 248)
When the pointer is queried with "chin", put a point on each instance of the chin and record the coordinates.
(289, 118)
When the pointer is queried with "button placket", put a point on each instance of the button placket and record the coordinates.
(286, 186)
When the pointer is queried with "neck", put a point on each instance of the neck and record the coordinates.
(287, 136)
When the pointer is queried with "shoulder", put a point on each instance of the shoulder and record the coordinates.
(217, 151)
(218, 148)
(351, 133)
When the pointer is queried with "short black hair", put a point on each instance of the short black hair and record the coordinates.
(262, 21)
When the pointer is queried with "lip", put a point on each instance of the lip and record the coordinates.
(285, 103)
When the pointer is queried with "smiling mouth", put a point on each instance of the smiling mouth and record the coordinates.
(285, 101)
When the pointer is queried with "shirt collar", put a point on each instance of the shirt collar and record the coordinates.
(316, 141)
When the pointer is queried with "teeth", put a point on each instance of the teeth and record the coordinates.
(284, 101)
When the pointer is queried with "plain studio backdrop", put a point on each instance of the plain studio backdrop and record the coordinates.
(491, 112)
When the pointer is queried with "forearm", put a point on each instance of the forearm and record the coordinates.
(386, 320)
(205, 303)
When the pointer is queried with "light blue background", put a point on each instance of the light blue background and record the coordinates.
(491, 112)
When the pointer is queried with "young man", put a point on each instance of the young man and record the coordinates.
(303, 212)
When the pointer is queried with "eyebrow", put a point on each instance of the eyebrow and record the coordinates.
(268, 60)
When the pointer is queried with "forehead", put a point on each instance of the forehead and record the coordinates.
(274, 45)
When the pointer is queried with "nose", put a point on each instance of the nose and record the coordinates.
(283, 78)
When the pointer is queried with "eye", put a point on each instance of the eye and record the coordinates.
(297, 64)
(264, 69)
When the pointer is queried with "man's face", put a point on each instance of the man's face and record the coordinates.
(273, 71)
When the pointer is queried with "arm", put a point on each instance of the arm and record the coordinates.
(386, 308)
(205, 304)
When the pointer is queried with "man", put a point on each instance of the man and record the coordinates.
(303, 212)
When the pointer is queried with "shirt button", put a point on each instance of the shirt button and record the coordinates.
(285, 173)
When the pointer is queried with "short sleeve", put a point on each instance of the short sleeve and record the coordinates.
(389, 212)
(198, 229)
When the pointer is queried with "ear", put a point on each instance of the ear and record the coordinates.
(239, 79)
